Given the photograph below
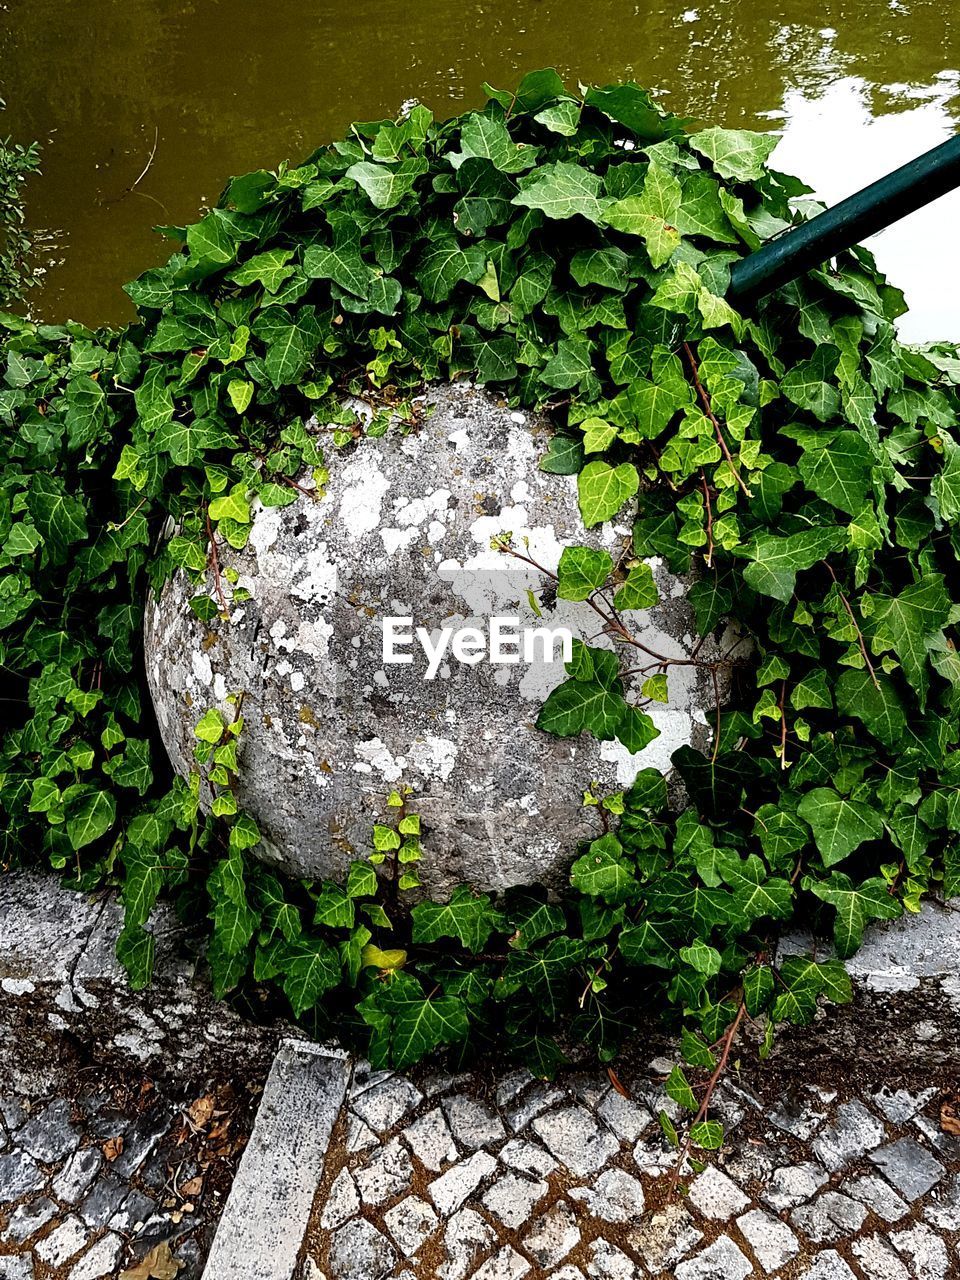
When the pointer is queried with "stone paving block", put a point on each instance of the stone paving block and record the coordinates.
(900, 1105)
(511, 1085)
(100, 1260)
(507, 1264)
(878, 1261)
(721, 1260)
(77, 1174)
(384, 1105)
(513, 1197)
(64, 1242)
(943, 1207)
(616, 1196)
(411, 1222)
(19, 1176)
(625, 1117)
(451, 1189)
(136, 1209)
(359, 1252)
(832, 1216)
(533, 1102)
(28, 1218)
(528, 1157)
(439, 1082)
(13, 1112)
(715, 1195)
(467, 1238)
(924, 1251)
(607, 1262)
(50, 1135)
(946, 1145)
(752, 1161)
(18, 1267)
(798, 1116)
(772, 1241)
(910, 1167)
(793, 1184)
(827, 1266)
(854, 1132)
(664, 1237)
(281, 1166)
(591, 1087)
(653, 1155)
(473, 1124)
(431, 1141)
(343, 1202)
(386, 1175)
(876, 1195)
(573, 1136)
(103, 1200)
(360, 1137)
(553, 1235)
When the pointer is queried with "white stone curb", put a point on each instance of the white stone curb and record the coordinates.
(263, 1224)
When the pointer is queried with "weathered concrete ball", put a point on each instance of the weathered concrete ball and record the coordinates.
(344, 702)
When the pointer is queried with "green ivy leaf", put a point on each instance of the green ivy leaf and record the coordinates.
(839, 472)
(309, 967)
(445, 265)
(707, 1134)
(639, 591)
(386, 187)
(576, 706)
(907, 619)
(582, 571)
(407, 1024)
(602, 871)
(678, 1088)
(468, 917)
(564, 190)
(855, 904)
(776, 561)
(736, 153)
(603, 490)
(136, 950)
(90, 815)
(839, 825)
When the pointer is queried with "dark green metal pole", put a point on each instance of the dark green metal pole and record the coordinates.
(847, 223)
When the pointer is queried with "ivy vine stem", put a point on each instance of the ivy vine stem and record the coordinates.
(215, 565)
(708, 410)
(727, 1042)
(860, 639)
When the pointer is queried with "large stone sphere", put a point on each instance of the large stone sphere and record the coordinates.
(403, 529)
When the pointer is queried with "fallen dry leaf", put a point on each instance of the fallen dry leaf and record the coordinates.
(192, 1187)
(219, 1129)
(159, 1264)
(112, 1147)
(949, 1119)
(201, 1111)
(615, 1080)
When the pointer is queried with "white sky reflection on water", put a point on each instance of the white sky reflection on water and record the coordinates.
(839, 146)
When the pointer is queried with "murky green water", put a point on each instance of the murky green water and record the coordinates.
(229, 85)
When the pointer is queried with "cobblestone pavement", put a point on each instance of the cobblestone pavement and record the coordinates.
(91, 1184)
(442, 1176)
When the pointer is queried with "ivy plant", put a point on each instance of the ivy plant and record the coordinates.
(573, 251)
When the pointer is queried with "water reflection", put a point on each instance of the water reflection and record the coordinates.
(836, 142)
(234, 84)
